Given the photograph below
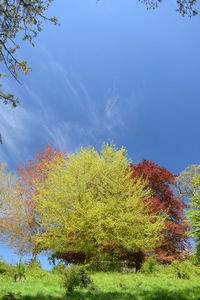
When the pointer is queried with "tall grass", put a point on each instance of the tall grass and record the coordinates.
(161, 283)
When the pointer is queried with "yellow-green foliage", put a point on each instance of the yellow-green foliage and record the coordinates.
(90, 201)
(194, 211)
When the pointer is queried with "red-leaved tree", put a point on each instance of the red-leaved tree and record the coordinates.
(161, 182)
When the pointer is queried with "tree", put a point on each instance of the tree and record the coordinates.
(22, 223)
(89, 205)
(7, 181)
(19, 18)
(187, 185)
(194, 212)
(184, 7)
(184, 181)
(161, 181)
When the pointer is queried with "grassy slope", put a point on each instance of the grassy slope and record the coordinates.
(111, 286)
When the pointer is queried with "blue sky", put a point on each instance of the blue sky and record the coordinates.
(112, 71)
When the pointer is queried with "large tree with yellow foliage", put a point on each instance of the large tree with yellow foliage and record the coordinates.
(89, 204)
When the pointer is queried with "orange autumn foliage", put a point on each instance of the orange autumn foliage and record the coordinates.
(24, 222)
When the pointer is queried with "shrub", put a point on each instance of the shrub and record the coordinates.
(194, 259)
(85, 280)
(181, 269)
(6, 269)
(59, 268)
(20, 271)
(76, 276)
(3, 266)
(35, 270)
(149, 265)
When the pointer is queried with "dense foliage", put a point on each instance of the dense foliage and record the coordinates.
(89, 204)
(188, 187)
(76, 276)
(21, 221)
(98, 207)
(194, 212)
(161, 182)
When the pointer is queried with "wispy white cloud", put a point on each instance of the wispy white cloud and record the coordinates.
(59, 134)
(73, 119)
(64, 75)
(14, 127)
(113, 112)
(79, 94)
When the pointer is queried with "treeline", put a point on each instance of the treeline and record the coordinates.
(96, 206)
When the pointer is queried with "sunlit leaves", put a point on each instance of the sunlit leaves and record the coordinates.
(22, 222)
(194, 212)
(89, 202)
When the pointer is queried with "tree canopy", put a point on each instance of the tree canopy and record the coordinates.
(161, 183)
(21, 221)
(188, 186)
(7, 182)
(184, 181)
(194, 212)
(89, 204)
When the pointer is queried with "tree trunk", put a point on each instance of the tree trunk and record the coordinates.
(34, 255)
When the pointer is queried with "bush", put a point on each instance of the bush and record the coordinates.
(7, 270)
(35, 270)
(59, 268)
(20, 272)
(149, 265)
(194, 259)
(76, 276)
(3, 266)
(182, 269)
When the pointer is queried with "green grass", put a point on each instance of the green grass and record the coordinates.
(110, 286)
(34, 288)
